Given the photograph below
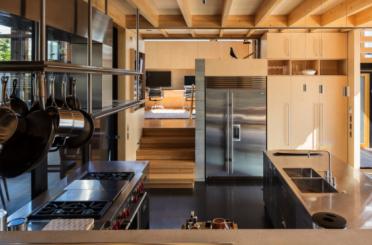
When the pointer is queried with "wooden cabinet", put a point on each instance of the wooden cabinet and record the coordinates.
(281, 204)
(333, 116)
(298, 45)
(334, 46)
(307, 112)
(278, 111)
(304, 112)
(277, 45)
(311, 46)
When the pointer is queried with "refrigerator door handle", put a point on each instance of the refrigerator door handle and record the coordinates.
(227, 133)
(236, 132)
(232, 132)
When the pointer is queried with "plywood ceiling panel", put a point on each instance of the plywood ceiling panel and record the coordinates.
(207, 31)
(244, 7)
(167, 7)
(212, 7)
(234, 31)
(327, 6)
(286, 7)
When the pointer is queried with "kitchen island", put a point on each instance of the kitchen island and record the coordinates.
(289, 207)
(191, 237)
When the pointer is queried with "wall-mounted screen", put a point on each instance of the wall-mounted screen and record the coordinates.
(189, 80)
(158, 79)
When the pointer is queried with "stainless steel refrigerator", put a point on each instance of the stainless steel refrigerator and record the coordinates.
(235, 126)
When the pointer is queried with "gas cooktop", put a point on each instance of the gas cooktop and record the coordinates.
(71, 209)
(109, 176)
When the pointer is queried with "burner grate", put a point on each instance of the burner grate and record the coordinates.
(72, 209)
(117, 176)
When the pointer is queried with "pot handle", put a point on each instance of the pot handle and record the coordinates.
(42, 99)
(4, 95)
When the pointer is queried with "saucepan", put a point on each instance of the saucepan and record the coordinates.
(87, 133)
(68, 122)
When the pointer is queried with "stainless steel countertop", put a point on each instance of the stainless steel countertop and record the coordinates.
(138, 167)
(353, 200)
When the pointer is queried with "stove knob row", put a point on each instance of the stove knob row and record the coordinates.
(124, 214)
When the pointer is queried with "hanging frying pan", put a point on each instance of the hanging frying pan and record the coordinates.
(27, 148)
(8, 118)
(87, 132)
(17, 105)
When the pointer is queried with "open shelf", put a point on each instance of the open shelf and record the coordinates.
(297, 66)
(278, 67)
(47, 66)
(333, 67)
(116, 107)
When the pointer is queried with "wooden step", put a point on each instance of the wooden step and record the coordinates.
(167, 142)
(172, 164)
(174, 132)
(169, 186)
(166, 154)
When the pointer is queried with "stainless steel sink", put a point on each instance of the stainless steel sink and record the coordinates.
(301, 173)
(313, 185)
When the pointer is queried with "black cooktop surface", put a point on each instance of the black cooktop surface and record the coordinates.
(109, 176)
(71, 210)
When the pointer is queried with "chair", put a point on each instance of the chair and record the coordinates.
(156, 94)
(5, 185)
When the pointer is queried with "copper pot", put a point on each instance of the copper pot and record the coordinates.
(220, 223)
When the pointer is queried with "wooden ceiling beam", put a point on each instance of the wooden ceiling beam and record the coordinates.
(362, 18)
(250, 32)
(304, 10)
(164, 32)
(147, 10)
(186, 11)
(265, 10)
(226, 11)
(344, 9)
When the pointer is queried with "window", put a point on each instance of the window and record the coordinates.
(368, 44)
(368, 33)
(5, 54)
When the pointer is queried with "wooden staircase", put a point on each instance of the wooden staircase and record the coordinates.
(171, 152)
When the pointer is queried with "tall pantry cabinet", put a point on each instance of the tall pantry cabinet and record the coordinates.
(307, 112)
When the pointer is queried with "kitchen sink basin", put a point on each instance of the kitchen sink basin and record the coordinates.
(301, 172)
(313, 185)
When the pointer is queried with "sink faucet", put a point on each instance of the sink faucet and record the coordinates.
(328, 176)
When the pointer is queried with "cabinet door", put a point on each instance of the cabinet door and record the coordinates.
(333, 116)
(334, 46)
(278, 46)
(313, 44)
(278, 112)
(298, 45)
(304, 117)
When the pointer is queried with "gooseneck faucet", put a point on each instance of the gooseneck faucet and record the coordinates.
(329, 175)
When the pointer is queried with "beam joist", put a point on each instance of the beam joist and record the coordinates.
(304, 10)
(265, 10)
(344, 10)
(147, 10)
(185, 8)
(226, 11)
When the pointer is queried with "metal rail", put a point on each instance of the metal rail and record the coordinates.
(117, 108)
(49, 66)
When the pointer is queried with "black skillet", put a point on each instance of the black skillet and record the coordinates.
(17, 105)
(8, 118)
(27, 148)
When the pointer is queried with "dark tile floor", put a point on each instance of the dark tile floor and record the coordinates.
(242, 203)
